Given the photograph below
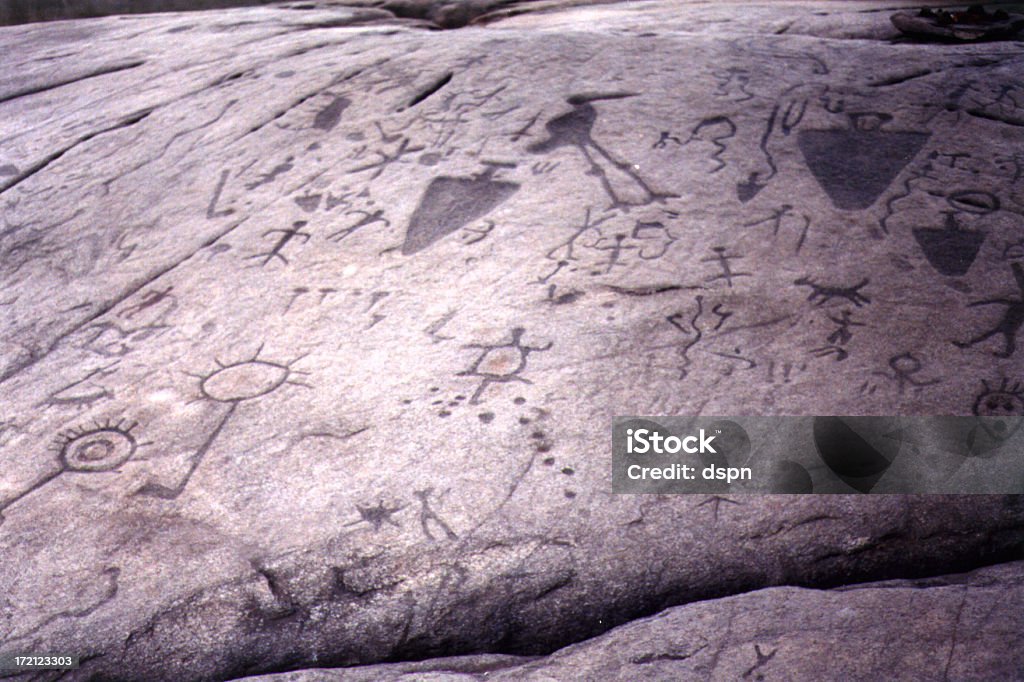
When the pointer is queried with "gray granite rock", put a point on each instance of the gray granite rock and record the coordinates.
(315, 321)
(445, 14)
(960, 627)
(26, 11)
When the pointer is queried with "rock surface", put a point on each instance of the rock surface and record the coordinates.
(962, 627)
(26, 11)
(315, 321)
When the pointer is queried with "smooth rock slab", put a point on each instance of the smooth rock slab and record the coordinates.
(315, 322)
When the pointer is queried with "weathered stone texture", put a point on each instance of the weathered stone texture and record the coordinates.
(315, 321)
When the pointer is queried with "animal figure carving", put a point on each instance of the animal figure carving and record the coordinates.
(825, 293)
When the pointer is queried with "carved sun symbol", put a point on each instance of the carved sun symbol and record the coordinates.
(103, 447)
(247, 379)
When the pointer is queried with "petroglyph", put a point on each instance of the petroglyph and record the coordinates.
(619, 179)
(102, 447)
(328, 117)
(824, 293)
(856, 165)
(467, 250)
(501, 363)
(230, 384)
(1009, 325)
(448, 204)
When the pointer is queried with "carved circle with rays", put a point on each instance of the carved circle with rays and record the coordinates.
(230, 384)
(247, 379)
(1004, 400)
(102, 448)
(105, 446)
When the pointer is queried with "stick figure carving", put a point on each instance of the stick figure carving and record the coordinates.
(286, 237)
(367, 219)
(427, 514)
(1011, 322)
(905, 367)
(724, 261)
(500, 363)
